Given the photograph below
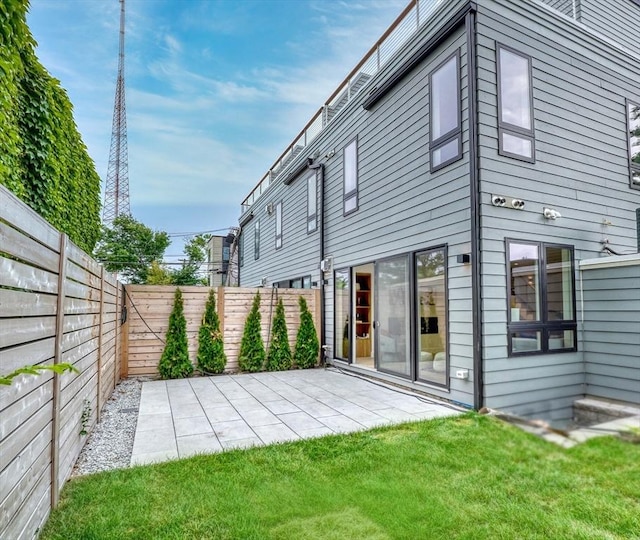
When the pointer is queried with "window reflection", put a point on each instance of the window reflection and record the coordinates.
(432, 321)
(341, 324)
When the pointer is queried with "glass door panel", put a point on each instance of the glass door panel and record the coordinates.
(392, 316)
(431, 322)
(342, 329)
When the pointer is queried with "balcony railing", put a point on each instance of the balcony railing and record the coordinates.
(407, 23)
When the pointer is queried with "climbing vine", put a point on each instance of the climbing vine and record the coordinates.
(43, 159)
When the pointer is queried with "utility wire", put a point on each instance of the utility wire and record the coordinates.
(141, 317)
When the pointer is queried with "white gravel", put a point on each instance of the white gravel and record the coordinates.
(110, 443)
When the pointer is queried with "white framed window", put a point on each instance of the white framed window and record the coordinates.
(515, 105)
(312, 203)
(279, 225)
(256, 240)
(350, 193)
(445, 133)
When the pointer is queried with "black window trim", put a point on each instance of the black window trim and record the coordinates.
(355, 192)
(454, 133)
(312, 218)
(543, 326)
(256, 240)
(633, 167)
(279, 222)
(505, 127)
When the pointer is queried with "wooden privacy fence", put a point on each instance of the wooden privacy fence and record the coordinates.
(56, 305)
(148, 309)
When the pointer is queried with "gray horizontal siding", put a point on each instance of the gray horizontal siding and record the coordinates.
(611, 334)
(616, 19)
(579, 86)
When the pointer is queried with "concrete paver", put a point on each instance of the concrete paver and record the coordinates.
(181, 418)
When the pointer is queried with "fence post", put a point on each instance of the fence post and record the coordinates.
(100, 334)
(124, 349)
(220, 304)
(57, 359)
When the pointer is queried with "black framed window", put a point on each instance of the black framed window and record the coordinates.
(515, 105)
(633, 129)
(279, 225)
(256, 240)
(350, 193)
(542, 310)
(445, 133)
(312, 202)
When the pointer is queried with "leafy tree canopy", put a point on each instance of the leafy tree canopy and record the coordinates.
(191, 272)
(130, 247)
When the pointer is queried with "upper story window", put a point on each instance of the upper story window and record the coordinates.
(445, 135)
(350, 195)
(256, 240)
(633, 125)
(279, 225)
(542, 314)
(312, 203)
(515, 105)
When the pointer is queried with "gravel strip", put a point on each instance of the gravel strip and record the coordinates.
(110, 443)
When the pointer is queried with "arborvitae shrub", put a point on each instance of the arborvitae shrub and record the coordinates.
(211, 357)
(252, 353)
(175, 363)
(307, 344)
(279, 355)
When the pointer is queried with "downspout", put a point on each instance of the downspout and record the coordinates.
(320, 173)
(474, 181)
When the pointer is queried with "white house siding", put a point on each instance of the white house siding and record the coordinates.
(579, 84)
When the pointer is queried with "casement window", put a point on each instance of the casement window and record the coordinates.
(256, 240)
(445, 134)
(350, 193)
(312, 203)
(279, 225)
(515, 105)
(541, 312)
(633, 129)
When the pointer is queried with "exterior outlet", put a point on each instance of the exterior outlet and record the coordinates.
(518, 204)
(462, 374)
(498, 200)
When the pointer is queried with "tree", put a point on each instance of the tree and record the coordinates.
(196, 254)
(251, 357)
(130, 247)
(307, 344)
(158, 275)
(279, 356)
(175, 362)
(211, 357)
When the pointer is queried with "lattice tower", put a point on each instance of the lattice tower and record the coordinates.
(116, 195)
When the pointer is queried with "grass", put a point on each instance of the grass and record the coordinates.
(468, 477)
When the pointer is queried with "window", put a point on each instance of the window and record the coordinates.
(256, 240)
(541, 315)
(350, 195)
(633, 125)
(515, 105)
(312, 202)
(279, 225)
(445, 135)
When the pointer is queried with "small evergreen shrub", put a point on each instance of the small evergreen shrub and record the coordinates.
(211, 357)
(279, 355)
(252, 354)
(307, 344)
(174, 363)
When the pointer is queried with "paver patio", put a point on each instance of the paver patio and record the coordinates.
(184, 417)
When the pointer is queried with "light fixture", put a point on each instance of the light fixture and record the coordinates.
(550, 213)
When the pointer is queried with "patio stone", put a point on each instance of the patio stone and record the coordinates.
(213, 414)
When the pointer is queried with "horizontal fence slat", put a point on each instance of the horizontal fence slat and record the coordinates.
(18, 245)
(26, 304)
(23, 276)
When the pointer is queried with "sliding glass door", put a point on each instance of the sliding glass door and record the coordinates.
(393, 308)
(431, 323)
(342, 328)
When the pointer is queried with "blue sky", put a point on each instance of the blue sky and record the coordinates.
(215, 89)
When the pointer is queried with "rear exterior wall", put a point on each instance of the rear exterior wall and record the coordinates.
(580, 84)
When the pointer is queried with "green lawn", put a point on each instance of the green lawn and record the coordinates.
(469, 477)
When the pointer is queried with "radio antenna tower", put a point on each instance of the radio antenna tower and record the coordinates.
(116, 194)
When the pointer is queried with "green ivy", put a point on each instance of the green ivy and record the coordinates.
(279, 356)
(43, 159)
